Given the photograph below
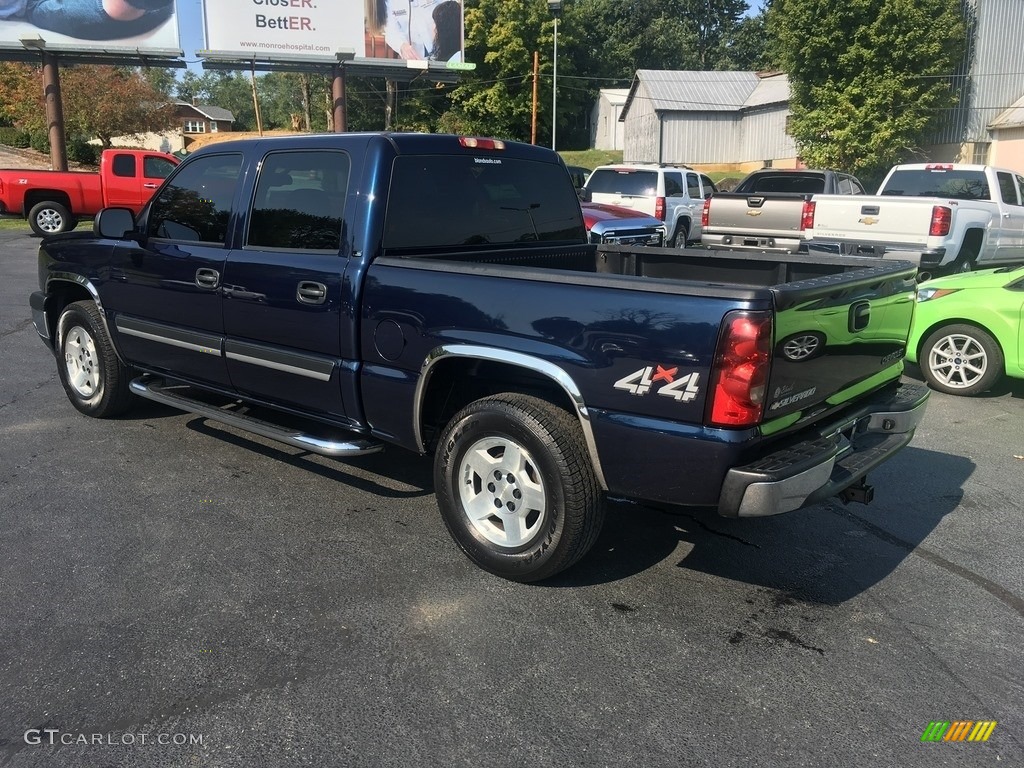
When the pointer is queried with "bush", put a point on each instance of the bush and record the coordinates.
(14, 137)
(40, 141)
(81, 151)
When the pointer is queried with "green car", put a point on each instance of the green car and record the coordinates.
(967, 330)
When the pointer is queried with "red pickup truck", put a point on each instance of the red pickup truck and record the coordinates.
(53, 201)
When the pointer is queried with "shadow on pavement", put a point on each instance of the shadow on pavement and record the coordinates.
(827, 553)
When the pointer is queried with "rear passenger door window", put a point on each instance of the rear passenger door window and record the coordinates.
(195, 206)
(693, 186)
(299, 202)
(1008, 188)
(673, 185)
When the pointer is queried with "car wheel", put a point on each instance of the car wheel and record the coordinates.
(50, 218)
(802, 346)
(961, 360)
(966, 260)
(95, 380)
(516, 487)
(675, 241)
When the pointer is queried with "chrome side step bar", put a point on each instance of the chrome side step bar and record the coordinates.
(156, 389)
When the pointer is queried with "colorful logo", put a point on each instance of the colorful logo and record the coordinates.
(959, 730)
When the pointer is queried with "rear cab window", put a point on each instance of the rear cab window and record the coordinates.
(623, 181)
(457, 201)
(937, 182)
(794, 183)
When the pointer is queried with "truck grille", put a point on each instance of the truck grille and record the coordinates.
(628, 237)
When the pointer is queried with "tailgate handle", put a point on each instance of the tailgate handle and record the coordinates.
(869, 210)
(755, 202)
(860, 316)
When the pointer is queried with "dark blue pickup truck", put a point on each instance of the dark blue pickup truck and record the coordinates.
(438, 293)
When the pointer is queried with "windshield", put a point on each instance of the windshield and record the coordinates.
(439, 201)
(957, 185)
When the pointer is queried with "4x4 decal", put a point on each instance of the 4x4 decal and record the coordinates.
(682, 388)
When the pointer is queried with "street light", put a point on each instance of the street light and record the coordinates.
(555, 6)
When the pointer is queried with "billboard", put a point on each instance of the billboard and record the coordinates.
(90, 25)
(428, 30)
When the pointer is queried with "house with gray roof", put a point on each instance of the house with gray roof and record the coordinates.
(717, 120)
(197, 119)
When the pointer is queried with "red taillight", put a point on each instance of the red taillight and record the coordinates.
(939, 167)
(740, 374)
(659, 208)
(942, 217)
(705, 215)
(473, 143)
(807, 216)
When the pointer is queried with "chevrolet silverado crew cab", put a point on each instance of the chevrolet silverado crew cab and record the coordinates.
(53, 201)
(673, 194)
(770, 209)
(944, 217)
(343, 293)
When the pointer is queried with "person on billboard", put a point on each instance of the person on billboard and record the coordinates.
(12, 9)
(91, 19)
(409, 30)
(447, 17)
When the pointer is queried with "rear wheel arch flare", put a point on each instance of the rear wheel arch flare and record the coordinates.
(436, 397)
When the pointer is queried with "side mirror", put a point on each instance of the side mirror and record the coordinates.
(708, 193)
(113, 223)
(584, 194)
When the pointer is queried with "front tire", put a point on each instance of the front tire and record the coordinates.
(50, 218)
(516, 487)
(95, 380)
(961, 360)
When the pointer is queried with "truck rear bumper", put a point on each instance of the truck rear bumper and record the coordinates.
(758, 243)
(924, 258)
(818, 468)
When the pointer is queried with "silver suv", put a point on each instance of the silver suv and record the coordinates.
(674, 194)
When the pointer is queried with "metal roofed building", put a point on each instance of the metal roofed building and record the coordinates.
(714, 120)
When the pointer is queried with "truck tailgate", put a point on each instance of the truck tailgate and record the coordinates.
(871, 218)
(755, 214)
(835, 338)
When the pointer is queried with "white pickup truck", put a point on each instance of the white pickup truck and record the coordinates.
(945, 217)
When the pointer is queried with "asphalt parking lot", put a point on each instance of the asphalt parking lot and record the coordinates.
(176, 593)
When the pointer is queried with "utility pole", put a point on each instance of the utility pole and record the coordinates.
(533, 123)
(54, 112)
(256, 100)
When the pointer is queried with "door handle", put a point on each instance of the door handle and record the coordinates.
(207, 278)
(309, 292)
(150, 185)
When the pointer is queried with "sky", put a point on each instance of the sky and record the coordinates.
(190, 30)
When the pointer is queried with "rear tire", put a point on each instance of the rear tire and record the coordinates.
(961, 359)
(682, 228)
(50, 218)
(94, 378)
(516, 487)
(966, 260)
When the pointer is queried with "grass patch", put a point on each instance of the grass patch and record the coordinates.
(13, 224)
(591, 158)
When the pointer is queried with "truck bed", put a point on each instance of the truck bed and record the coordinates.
(723, 273)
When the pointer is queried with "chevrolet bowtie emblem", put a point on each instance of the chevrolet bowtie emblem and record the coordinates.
(869, 220)
(753, 213)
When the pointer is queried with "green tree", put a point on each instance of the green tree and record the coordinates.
(870, 79)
